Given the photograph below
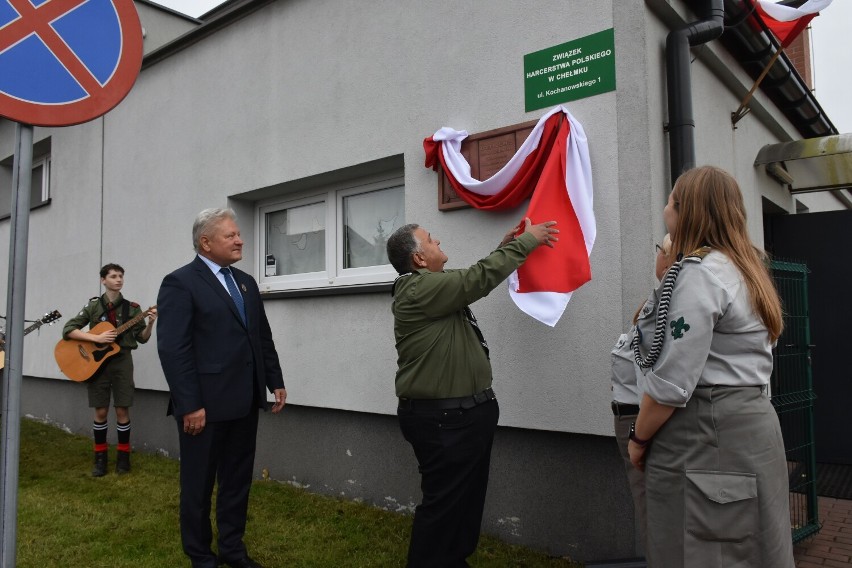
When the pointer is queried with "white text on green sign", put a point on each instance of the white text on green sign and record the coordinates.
(571, 71)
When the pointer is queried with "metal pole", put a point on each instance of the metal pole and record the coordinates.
(15, 301)
(742, 110)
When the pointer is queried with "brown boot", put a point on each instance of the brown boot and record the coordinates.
(100, 468)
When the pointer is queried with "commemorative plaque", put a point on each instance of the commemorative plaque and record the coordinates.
(486, 152)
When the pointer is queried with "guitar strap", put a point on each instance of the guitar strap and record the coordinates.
(125, 312)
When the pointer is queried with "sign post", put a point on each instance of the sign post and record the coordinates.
(62, 62)
(15, 301)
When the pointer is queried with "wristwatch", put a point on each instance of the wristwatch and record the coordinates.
(639, 441)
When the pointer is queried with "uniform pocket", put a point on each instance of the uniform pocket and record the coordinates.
(721, 506)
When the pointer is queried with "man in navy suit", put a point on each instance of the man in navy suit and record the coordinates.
(219, 359)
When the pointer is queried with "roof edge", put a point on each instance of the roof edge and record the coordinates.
(228, 16)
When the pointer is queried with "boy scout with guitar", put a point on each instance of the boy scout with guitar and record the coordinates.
(101, 357)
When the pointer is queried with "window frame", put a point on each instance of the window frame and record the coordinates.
(45, 162)
(335, 276)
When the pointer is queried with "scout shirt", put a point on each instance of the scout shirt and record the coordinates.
(94, 313)
(713, 335)
(625, 373)
(439, 354)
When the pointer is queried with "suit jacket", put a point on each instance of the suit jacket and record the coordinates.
(211, 359)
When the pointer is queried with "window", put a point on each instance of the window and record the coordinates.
(39, 182)
(331, 237)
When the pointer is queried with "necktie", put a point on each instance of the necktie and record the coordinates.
(472, 321)
(235, 294)
(111, 314)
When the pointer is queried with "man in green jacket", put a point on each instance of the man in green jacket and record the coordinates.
(447, 409)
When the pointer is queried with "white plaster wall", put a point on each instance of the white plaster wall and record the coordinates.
(64, 239)
(298, 89)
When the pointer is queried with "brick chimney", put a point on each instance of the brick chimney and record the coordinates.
(799, 53)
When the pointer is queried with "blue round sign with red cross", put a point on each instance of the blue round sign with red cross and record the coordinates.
(64, 62)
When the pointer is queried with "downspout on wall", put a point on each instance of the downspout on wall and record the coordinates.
(681, 125)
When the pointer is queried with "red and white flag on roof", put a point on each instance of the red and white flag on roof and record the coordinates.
(787, 22)
(552, 166)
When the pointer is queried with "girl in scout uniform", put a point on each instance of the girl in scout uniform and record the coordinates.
(707, 435)
(627, 394)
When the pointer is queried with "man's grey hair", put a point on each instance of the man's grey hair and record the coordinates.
(206, 220)
(401, 245)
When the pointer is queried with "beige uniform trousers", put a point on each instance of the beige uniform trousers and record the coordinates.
(635, 478)
(716, 485)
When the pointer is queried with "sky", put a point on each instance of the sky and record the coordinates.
(832, 56)
(192, 8)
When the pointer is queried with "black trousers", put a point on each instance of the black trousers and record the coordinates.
(223, 453)
(453, 450)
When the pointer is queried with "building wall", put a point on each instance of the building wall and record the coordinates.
(303, 89)
(200, 149)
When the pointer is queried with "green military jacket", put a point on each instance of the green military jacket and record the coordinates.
(439, 354)
(94, 313)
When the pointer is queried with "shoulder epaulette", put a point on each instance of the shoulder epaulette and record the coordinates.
(134, 305)
(698, 254)
(94, 299)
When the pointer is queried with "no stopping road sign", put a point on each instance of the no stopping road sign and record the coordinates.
(64, 62)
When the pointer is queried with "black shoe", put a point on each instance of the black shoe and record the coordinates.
(244, 562)
(100, 468)
(122, 462)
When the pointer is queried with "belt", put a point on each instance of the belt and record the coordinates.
(448, 403)
(621, 409)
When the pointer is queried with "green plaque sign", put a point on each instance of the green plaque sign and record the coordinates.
(571, 71)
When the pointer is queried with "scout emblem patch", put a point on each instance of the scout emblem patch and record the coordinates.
(679, 327)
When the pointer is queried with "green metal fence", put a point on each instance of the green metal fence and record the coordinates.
(793, 396)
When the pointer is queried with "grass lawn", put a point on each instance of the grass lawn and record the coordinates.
(66, 518)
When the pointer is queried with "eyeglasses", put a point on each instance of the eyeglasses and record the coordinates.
(658, 248)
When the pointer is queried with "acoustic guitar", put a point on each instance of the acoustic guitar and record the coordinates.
(80, 360)
(48, 318)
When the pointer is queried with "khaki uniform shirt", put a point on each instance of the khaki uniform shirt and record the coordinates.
(713, 335)
(624, 371)
(94, 313)
(439, 354)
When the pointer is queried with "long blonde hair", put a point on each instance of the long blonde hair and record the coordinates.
(711, 213)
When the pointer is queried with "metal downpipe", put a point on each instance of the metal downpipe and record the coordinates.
(681, 124)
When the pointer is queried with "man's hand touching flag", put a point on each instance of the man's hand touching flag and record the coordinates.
(552, 167)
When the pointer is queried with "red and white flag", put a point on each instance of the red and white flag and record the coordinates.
(787, 22)
(552, 166)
